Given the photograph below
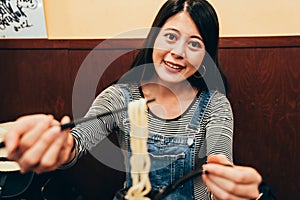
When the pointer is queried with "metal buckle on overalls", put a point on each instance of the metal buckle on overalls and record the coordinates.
(190, 142)
(192, 127)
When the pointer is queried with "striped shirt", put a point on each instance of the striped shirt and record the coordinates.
(214, 136)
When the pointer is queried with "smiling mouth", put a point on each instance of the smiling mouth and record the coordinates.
(173, 66)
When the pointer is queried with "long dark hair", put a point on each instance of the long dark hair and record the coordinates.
(206, 20)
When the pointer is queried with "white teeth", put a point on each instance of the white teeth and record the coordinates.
(173, 66)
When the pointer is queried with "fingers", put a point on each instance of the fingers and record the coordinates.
(22, 126)
(232, 182)
(38, 144)
(218, 192)
(66, 154)
(33, 135)
(238, 174)
(67, 140)
(55, 155)
(33, 155)
(59, 151)
(218, 158)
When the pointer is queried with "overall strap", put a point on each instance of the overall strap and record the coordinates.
(127, 93)
(205, 98)
(125, 137)
(128, 97)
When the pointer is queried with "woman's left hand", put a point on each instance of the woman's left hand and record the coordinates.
(230, 182)
(38, 144)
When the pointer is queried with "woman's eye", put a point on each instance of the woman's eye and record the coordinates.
(170, 36)
(195, 45)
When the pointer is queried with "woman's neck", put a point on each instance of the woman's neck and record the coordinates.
(171, 99)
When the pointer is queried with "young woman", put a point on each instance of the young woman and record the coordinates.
(190, 121)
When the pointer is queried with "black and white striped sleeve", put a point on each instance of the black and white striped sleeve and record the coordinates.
(90, 133)
(219, 127)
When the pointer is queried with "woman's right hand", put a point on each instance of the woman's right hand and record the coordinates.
(37, 143)
(228, 181)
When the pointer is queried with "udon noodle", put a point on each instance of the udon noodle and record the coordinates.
(139, 160)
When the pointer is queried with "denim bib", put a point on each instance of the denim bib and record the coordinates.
(172, 156)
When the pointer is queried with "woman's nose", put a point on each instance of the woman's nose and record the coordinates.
(178, 50)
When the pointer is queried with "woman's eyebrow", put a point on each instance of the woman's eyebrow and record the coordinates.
(171, 29)
(197, 37)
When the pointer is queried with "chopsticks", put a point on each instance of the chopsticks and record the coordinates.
(86, 119)
(82, 120)
(170, 188)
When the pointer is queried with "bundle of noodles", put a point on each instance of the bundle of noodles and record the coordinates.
(139, 160)
(5, 164)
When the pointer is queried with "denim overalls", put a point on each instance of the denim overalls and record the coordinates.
(172, 156)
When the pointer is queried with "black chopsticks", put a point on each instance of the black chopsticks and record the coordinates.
(82, 120)
(79, 121)
(170, 188)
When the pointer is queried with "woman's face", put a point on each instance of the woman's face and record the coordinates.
(178, 49)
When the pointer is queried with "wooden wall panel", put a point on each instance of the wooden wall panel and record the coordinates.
(34, 81)
(263, 72)
(94, 73)
(265, 97)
